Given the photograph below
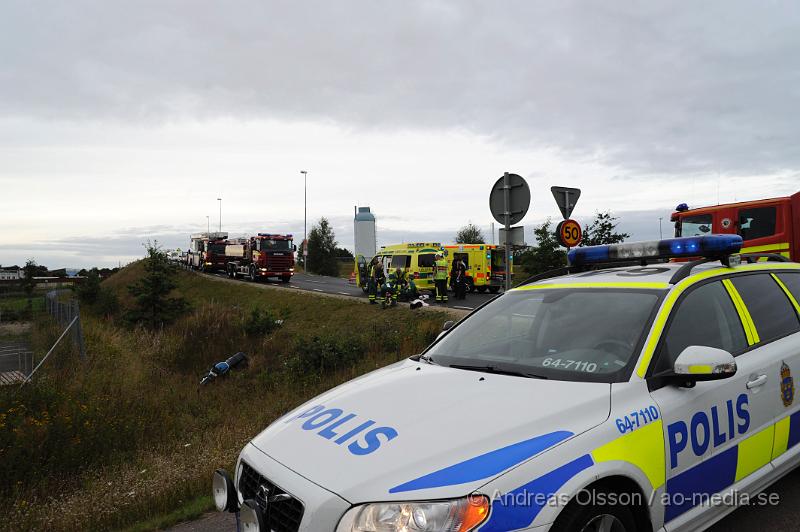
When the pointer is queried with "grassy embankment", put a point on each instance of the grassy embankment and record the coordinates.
(129, 436)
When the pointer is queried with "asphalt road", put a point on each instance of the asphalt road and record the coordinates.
(338, 286)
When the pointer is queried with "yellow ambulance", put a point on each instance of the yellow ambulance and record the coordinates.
(417, 258)
(485, 265)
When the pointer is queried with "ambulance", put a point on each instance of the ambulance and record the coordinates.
(485, 265)
(417, 258)
(640, 397)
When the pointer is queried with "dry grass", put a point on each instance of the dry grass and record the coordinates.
(129, 434)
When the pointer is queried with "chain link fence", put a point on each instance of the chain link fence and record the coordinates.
(68, 314)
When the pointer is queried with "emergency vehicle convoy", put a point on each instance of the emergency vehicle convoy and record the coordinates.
(769, 226)
(643, 396)
(264, 256)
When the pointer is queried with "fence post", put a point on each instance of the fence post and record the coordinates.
(78, 330)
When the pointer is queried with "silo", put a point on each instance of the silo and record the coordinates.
(364, 231)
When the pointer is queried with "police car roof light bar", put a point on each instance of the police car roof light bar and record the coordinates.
(710, 247)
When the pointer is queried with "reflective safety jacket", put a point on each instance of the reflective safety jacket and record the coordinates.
(441, 270)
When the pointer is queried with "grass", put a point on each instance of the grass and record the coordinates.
(129, 436)
(191, 510)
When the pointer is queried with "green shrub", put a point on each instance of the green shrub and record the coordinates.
(320, 355)
(261, 322)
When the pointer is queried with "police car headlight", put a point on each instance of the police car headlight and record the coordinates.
(456, 515)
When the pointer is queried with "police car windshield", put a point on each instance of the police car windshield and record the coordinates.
(581, 334)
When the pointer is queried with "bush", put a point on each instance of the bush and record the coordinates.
(323, 354)
(261, 322)
(107, 303)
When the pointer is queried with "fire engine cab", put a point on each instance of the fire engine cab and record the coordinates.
(766, 226)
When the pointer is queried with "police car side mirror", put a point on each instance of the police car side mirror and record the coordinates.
(702, 363)
(446, 326)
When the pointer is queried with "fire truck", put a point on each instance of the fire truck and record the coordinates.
(207, 251)
(263, 256)
(766, 226)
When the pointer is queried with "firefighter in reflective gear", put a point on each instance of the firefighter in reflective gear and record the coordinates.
(390, 288)
(440, 278)
(375, 278)
(408, 291)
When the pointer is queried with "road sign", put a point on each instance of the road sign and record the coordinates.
(517, 236)
(519, 199)
(569, 233)
(566, 198)
(509, 201)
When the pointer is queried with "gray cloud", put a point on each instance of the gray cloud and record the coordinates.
(651, 87)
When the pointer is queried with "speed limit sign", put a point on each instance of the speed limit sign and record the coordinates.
(569, 233)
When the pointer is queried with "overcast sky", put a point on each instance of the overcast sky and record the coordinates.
(124, 121)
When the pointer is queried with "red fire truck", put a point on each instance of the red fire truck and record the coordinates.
(207, 251)
(766, 226)
(265, 255)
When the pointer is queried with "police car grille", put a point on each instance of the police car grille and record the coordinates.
(283, 516)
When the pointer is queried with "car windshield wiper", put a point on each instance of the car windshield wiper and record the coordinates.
(498, 371)
(428, 359)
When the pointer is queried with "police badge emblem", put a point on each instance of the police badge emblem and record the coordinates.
(787, 385)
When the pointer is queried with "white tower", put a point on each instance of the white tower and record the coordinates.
(364, 231)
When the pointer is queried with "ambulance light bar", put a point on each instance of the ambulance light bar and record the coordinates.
(711, 246)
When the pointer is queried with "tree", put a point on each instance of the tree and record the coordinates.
(602, 231)
(154, 308)
(546, 255)
(470, 234)
(343, 253)
(322, 249)
(89, 289)
(29, 271)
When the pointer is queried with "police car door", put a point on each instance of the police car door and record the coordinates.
(773, 312)
(704, 424)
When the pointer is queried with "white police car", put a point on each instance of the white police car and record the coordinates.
(644, 397)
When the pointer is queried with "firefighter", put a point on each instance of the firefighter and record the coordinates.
(460, 278)
(409, 291)
(390, 288)
(400, 283)
(440, 278)
(375, 279)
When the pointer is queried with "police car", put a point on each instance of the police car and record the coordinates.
(643, 396)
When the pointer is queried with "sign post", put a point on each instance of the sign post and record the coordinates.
(509, 202)
(568, 232)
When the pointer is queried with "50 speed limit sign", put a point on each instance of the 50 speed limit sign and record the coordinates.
(569, 233)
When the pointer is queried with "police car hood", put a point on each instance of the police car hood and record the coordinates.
(414, 430)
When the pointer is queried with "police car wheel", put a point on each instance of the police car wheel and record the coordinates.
(596, 518)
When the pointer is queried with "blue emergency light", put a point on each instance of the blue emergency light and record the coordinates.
(711, 246)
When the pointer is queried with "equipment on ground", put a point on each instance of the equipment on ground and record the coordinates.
(220, 369)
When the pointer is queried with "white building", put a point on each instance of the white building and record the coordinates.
(10, 275)
(364, 231)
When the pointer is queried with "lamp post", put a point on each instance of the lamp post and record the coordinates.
(660, 233)
(305, 219)
(208, 224)
(220, 214)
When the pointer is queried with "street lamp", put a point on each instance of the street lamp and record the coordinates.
(305, 219)
(208, 224)
(660, 233)
(220, 214)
